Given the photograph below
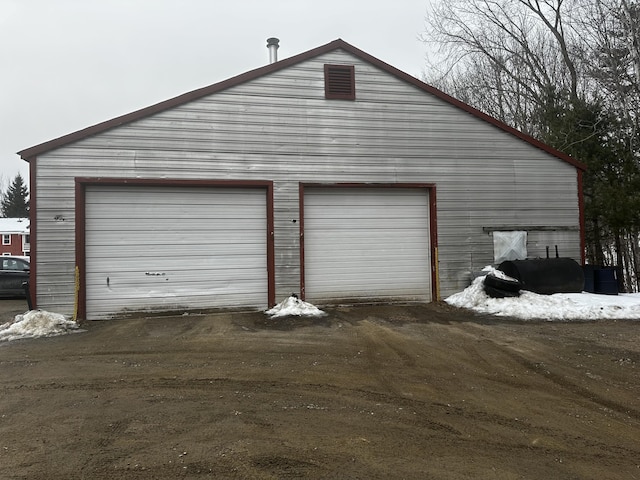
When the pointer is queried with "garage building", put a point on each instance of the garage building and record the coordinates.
(329, 174)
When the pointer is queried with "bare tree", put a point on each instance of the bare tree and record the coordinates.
(519, 47)
(566, 72)
(610, 50)
(551, 14)
(631, 16)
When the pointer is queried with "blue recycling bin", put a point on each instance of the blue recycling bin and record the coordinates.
(605, 280)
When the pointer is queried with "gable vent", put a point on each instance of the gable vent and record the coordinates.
(339, 82)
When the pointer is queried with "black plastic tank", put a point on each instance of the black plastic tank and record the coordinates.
(546, 275)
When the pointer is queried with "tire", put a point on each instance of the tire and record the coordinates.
(503, 284)
(498, 293)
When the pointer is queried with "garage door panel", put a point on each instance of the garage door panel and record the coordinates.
(353, 281)
(356, 243)
(365, 243)
(344, 266)
(203, 223)
(138, 300)
(371, 255)
(221, 246)
(186, 267)
(122, 286)
(161, 248)
(369, 294)
(187, 249)
(400, 198)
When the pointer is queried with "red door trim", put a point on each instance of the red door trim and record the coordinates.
(81, 184)
(433, 225)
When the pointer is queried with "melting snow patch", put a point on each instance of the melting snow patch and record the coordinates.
(294, 306)
(559, 306)
(36, 323)
(489, 270)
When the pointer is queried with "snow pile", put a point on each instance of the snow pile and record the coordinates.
(559, 306)
(34, 324)
(497, 273)
(294, 306)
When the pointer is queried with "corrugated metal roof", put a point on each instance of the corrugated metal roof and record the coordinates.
(32, 152)
(14, 225)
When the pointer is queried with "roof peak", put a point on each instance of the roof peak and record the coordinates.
(31, 153)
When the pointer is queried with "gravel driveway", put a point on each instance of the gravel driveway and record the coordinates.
(414, 392)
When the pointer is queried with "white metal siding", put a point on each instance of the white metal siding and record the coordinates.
(366, 244)
(280, 127)
(164, 248)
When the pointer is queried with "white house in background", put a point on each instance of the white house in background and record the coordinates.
(330, 174)
(15, 236)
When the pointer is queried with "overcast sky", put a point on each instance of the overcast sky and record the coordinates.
(69, 64)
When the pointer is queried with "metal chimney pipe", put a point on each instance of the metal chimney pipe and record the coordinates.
(272, 45)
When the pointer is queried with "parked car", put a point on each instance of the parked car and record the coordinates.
(14, 271)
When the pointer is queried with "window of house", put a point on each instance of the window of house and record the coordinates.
(339, 82)
(6, 239)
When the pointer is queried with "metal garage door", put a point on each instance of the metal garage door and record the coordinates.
(157, 248)
(366, 243)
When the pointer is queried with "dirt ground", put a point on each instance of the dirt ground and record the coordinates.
(403, 392)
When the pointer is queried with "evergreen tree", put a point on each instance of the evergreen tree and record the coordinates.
(15, 203)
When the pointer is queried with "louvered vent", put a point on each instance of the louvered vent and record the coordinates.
(339, 82)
